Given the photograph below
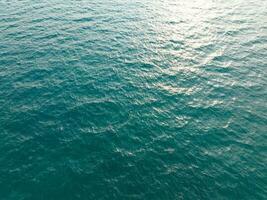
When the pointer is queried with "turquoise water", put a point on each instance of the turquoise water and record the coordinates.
(112, 99)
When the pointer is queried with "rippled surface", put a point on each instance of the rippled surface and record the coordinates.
(133, 99)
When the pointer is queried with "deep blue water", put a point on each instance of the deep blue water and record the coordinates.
(113, 99)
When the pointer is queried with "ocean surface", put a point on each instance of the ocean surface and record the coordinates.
(133, 99)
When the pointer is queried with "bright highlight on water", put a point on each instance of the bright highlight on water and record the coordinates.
(113, 99)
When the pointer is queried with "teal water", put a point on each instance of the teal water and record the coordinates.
(112, 99)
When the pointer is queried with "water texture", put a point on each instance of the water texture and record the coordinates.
(113, 99)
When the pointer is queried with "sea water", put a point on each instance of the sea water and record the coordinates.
(133, 99)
